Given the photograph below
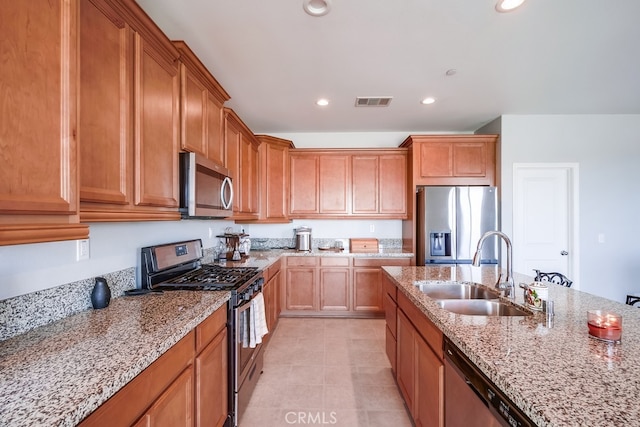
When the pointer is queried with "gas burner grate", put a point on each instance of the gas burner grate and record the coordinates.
(216, 276)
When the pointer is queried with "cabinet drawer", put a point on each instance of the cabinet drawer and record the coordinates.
(424, 326)
(334, 261)
(209, 328)
(379, 262)
(389, 287)
(302, 261)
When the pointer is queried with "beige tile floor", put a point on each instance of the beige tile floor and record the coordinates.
(331, 372)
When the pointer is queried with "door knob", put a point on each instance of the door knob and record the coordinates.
(564, 253)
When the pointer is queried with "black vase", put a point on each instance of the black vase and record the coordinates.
(101, 294)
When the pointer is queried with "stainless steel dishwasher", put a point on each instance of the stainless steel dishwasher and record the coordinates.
(471, 399)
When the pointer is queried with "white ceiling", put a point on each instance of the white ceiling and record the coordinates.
(548, 57)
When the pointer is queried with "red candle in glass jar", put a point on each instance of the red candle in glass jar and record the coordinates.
(603, 325)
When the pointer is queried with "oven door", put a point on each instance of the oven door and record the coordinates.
(248, 359)
(245, 348)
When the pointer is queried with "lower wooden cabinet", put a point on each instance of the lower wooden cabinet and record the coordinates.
(420, 367)
(367, 282)
(186, 386)
(174, 407)
(301, 287)
(390, 306)
(343, 286)
(211, 371)
(335, 284)
(272, 292)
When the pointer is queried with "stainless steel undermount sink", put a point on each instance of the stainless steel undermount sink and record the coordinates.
(479, 307)
(456, 291)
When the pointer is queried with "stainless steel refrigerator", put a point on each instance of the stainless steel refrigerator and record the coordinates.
(451, 220)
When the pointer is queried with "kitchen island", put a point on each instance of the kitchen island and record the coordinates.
(554, 372)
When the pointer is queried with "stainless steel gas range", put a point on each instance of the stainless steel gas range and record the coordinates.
(178, 266)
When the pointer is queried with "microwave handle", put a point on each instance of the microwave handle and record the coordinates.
(226, 204)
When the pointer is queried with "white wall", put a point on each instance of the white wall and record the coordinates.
(607, 148)
(347, 139)
(29, 268)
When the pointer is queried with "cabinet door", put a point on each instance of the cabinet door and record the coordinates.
(301, 289)
(274, 183)
(106, 72)
(193, 113)
(334, 289)
(38, 81)
(157, 92)
(304, 183)
(469, 159)
(334, 184)
(436, 159)
(277, 292)
(367, 289)
(249, 171)
(365, 184)
(215, 130)
(405, 368)
(393, 184)
(211, 383)
(232, 139)
(429, 397)
(174, 407)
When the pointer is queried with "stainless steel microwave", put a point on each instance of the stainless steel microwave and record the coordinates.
(206, 189)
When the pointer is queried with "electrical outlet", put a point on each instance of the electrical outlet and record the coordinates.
(600, 237)
(372, 228)
(82, 249)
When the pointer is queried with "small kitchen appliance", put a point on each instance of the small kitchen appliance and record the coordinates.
(303, 238)
(178, 266)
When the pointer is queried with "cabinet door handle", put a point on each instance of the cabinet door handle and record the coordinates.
(564, 253)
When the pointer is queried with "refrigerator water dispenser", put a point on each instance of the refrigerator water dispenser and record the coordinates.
(440, 243)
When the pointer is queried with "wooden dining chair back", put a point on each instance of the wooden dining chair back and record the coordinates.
(557, 278)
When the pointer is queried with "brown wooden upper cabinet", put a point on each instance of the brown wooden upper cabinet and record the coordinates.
(129, 115)
(273, 156)
(39, 145)
(201, 107)
(242, 162)
(348, 183)
(453, 159)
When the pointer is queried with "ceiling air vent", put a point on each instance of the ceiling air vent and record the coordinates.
(370, 101)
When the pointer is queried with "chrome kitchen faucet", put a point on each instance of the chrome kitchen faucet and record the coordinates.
(508, 285)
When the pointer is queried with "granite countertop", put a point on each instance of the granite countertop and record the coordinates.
(57, 374)
(275, 253)
(556, 373)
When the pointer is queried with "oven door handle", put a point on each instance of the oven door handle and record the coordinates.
(226, 203)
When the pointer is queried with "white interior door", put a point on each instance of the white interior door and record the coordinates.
(545, 218)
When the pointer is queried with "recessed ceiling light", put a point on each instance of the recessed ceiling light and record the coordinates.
(428, 100)
(322, 102)
(316, 7)
(508, 5)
